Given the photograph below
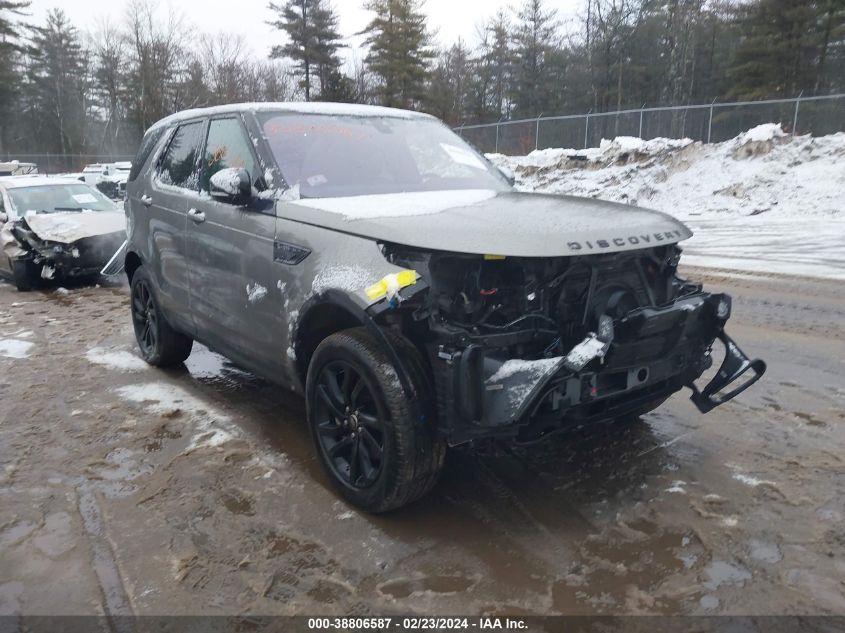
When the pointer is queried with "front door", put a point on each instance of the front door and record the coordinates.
(236, 299)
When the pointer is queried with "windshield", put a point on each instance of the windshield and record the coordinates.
(59, 198)
(330, 156)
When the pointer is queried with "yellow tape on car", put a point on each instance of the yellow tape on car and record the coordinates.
(390, 285)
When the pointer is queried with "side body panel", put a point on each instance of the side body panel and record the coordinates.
(337, 261)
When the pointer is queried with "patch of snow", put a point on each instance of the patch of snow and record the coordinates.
(15, 348)
(677, 487)
(748, 480)
(227, 180)
(720, 573)
(762, 133)
(776, 210)
(291, 194)
(395, 205)
(203, 363)
(584, 352)
(351, 278)
(212, 428)
(534, 368)
(255, 292)
(122, 360)
(62, 291)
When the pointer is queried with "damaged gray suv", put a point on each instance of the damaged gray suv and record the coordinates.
(371, 260)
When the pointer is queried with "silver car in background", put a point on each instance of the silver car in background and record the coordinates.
(55, 228)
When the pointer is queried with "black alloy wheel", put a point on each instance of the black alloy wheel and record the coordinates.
(350, 427)
(145, 317)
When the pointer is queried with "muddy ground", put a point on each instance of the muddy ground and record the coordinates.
(126, 489)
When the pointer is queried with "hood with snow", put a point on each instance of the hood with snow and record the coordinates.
(66, 228)
(490, 222)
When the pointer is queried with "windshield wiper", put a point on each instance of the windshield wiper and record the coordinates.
(68, 209)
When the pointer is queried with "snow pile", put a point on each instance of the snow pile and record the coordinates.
(763, 201)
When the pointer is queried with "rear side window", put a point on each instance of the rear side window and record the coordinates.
(228, 146)
(151, 139)
(179, 166)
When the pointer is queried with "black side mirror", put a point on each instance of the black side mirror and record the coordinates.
(231, 185)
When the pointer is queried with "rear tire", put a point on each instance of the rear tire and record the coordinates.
(159, 343)
(377, 453)
(26, 273)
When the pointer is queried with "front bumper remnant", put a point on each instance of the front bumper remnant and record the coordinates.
(734, 366)
(630, 363)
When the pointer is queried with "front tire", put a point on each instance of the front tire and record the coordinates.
(159, 343)
(377, 453)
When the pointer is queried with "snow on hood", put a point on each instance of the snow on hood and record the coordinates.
(67, 228)
(398, 204)
(492, 223)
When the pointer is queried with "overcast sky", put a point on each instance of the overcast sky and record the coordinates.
(450, 18)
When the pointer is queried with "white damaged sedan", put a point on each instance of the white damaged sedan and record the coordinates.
(55, 228)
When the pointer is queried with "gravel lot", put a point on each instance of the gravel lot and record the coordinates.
(126, 489)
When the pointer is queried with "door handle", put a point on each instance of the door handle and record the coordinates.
(146, 200)
(196, 216)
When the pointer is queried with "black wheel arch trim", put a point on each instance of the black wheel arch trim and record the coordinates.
(342, 300)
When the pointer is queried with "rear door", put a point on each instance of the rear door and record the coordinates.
(164, 202)
(235, 294)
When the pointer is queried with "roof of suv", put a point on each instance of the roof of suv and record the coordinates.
(312, 107)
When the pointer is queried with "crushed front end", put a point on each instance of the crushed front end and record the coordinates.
(60, 259)
(520, 347)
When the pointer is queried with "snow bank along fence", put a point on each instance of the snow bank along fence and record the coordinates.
(709, 122)
(64, 163)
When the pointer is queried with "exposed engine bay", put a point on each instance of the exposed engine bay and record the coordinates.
(520, 346)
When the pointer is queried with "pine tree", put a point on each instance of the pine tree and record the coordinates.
(399, 51)
(313, 40)
(58, 85)
(10, 52)
(534, 36)
(782, 46)
(449, 89)
(492, 70)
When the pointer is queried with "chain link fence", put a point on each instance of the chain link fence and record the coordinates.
(709, 123)
(64, 163)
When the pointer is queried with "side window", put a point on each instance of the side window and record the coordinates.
(179, 166)
(151, 139)
(228, 146)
